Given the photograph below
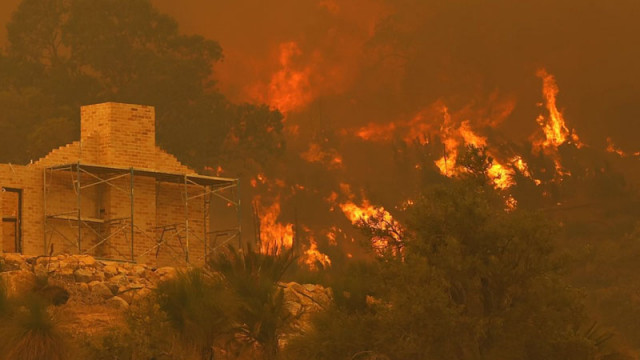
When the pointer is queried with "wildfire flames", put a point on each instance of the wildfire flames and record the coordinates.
(554, 127)
(462, 128)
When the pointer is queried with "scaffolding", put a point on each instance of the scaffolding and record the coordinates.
(69, 223)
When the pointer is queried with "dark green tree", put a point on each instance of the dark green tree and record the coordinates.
(62, 54)
(475, 280)
(253, 277)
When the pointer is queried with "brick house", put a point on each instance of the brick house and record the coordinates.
(114, 194)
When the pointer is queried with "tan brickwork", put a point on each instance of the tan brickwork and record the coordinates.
(114, 135)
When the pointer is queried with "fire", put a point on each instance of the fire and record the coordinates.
(289, 88)
(500, 175)
(273, 235)
(555, 130)
(330, 158)
(613, 148)
(312, 257)
(386, 231)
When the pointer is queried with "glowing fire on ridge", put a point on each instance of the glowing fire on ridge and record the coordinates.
(312, 256)
(273, 234)
(330, 158)
(377, 219)
(555, 130)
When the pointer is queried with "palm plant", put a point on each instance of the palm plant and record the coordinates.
(30, 333)
(254, 277)
(197, 308)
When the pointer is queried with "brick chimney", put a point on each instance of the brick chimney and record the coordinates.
(118, 134)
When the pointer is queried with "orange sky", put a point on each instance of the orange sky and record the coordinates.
(461, 48)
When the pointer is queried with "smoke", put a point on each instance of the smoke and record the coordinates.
(377, 61)
(358, 80)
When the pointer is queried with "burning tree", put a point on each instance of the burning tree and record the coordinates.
(474, 281)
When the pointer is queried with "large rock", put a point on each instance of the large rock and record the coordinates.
(83, 275)
(166, 273)
(110, 270)
(18, 282)
(117, 302)
(100, 290)
(13, 261)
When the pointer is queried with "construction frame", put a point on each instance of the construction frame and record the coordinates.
(84, 179)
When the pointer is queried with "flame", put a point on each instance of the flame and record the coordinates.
(500, 175)
(378, 219)
(555, 130)
(613, 148)
(312, 257)
(273, 234)
(289, 88)
(330, 158)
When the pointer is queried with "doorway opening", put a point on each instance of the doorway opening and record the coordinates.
(12, 220)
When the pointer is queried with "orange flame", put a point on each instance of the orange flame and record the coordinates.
(330, 158)
(273, 234)
(378, 219)
(555, 130)
(312, 257)
(613, 148)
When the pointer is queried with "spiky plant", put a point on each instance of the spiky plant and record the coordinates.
(30, 333)
(197, 308)
(253, 278)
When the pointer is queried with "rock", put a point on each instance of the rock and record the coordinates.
(137, 270)
(65, 274)
(54, 294)
(13, 261)
(100, 290)
(86, 260)
(18, 282)
(83, 275)
(132, 292)
(117, 303)
(83, 287)
(166, 273)
(110, 270)
(98, 276)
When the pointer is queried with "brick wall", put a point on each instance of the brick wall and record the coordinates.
(125, 133)
(28, 179)
(116, 135)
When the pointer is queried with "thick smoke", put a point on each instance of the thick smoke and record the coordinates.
(379, 61)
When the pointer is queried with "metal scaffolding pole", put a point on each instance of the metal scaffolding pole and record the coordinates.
(44, 213)
(186, 217)
(131, 199)
(79, 207)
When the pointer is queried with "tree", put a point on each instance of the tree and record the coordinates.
(66, 53)
(474, 281)
(253, 278)
(198, 310)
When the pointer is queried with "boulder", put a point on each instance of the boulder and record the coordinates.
(100, 290)
(54, 294)
(18, 282)
(14, 261)
(166, 273)
(83, 275)
(110, 270)
(84, 260)
(117, 302)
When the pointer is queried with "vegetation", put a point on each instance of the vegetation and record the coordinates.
(27, 330)
(474, 281)
(66, 53)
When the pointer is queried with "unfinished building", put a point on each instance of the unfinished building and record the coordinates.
(116, 195)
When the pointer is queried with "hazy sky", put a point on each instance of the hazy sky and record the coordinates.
(394, 57)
